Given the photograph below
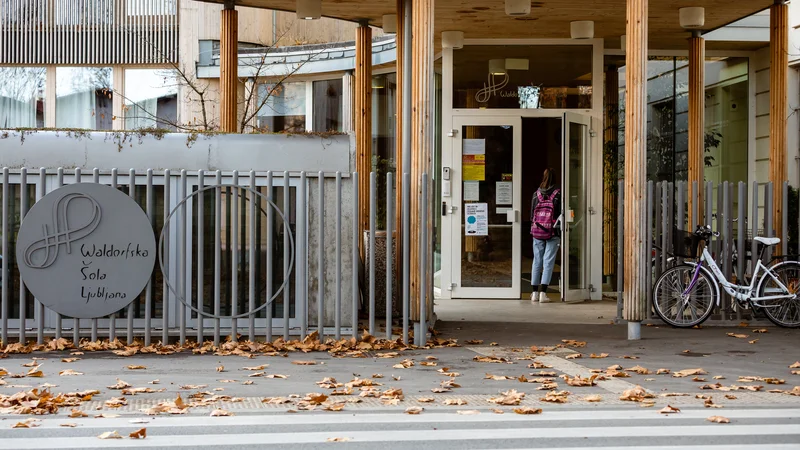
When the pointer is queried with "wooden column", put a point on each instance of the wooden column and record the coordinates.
(398, 161)
(363, 122)
(636, 262)
(421, 141)
(228, 69)
(778, 108)
(697, 111)
(611, 168)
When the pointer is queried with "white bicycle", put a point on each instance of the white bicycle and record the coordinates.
(685, 294)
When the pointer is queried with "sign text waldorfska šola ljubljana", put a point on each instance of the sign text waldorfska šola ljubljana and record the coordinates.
(86, 250)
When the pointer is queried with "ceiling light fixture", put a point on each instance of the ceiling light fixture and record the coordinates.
(518, 7)
(692, 18)
(390, 23)
(309, 9)
(453, 39)
(497, 66)
(582, 29)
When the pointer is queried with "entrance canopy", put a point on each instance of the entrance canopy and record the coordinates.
(548, 18)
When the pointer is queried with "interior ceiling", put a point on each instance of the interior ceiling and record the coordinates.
(548, 18)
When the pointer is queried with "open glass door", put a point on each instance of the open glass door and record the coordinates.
(486, 212)
(574, 183)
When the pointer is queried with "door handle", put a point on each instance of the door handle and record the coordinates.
(512, 216)
(452, 209)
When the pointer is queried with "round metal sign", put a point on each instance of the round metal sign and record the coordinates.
(86, 250)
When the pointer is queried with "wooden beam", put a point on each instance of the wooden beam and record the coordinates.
(697, 111)
(228, 69)
(398, 161)
(363, 123)
(636, 262)
(778, 109)
(611, 169)
(421, 142)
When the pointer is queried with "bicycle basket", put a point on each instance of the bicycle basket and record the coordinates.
(684, 243)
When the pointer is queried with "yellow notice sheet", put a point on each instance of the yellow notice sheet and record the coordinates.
(474, 167)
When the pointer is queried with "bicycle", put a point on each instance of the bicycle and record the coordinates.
(684, 295)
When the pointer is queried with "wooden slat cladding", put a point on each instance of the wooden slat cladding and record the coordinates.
(363, 122)
(697, 111)
(635, 212)
(610, 166)
(88, 31)
(422, 12)
(778, 109)
(401, 86)
(228, 75)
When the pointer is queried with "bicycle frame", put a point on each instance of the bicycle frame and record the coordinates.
(739, 292)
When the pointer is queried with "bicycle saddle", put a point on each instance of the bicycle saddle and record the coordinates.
(767, 241)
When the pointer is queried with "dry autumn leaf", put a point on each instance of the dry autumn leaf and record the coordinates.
(635, 394)
(573, 356)
(414, 410)
(428, 363)
(629, 357)
(404, 364)
(468, 412)
(455, 402)
(69, 360)
(497, 411)
(426, 400)
(220, 413)
(718, 419)
(795, 365)
(689, 373)
(110, 435)
(135, 367)
(669, 410)
(593, 398)
(738, 336)
(730, 397)
(139, 434)
(220, 368)
(338, 439)
(527, 410)
(497, 377)
(304, 363)
(76, 413)
(601, 355)
(761, 330)
(556, 397)
(474, 342)
(68, 372)
(640, 370)
(68, 425)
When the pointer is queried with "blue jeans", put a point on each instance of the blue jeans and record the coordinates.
(544, 258)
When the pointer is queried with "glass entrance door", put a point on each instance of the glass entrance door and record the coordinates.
(486, 210)
(575, 229)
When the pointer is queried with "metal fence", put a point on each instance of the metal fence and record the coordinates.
(261, 254)
(736, 211)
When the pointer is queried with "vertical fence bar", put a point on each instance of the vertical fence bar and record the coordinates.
(235, 257)
(321, 268)
(649, 245)
(95, 180)
(182, 271)
(59, 320)
(337, 314)
(23, 209)
(302, 232)
(422, 338)
(41, 192)
(201, 228)
(112, 320)
(166, 231)
(131, 305)
(356, 296)
(754, 226)
(665, 225)
(709, 204)
(725, 251)
(252, 266)
(741, 233)
(270, 249)
(620, 245)
(671, 213)
(217, 254)
(286, 256)
(389, 254)
(785, 219)
(718, 241)
(372, 213)
(695, 205)
(768, 231)
(5, 299)
(658, 213)
(406, 252)
(681, 202)
(76, 323)
(148, 296)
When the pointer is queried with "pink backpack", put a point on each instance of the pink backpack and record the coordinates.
(543, 224)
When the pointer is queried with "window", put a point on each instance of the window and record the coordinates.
(84, 98)
(328, 105)
(284, 107)
(22, 94)
(151, 99)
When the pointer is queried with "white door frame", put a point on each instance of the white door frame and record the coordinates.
(582, 293)
(455, 211)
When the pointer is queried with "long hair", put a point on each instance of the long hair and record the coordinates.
(548, 179)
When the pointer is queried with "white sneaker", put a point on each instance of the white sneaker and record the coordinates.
(535, 297)
(543, 298)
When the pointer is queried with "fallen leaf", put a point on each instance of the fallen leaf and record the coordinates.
(338, 439)
(753, 341)
(508, 398)
(69, 360)
(455, 402)
(497, 411)
(67, 372)
(227, 381)
(426, 400)
(689, 373)
(220, 413)
(468, 412)
(404, 364)
(579, 381)
(135, 367)
(527, 410)
(337, 406)
(497, 377)
(221, 369)
(247, 383)
(556, 397)
(256, 368)
(34, 373)
(414, 410)
(629, 357)
(795, 365)
(27, 423)
(699, 379)
(474, 342)
(738, 336)
(139, 434)
(796, 372)
(640, 370)
(31, 364)
(75, 413)
(719, 377)
(761, 330)
(635, 394)
(154, 382)
(493, 344)
(593, 398)
(68, 425)
(193, 386)
(709, 403)
(601, 355)
(110, 435)
(120, 385)
(718, 419)
(675, 394)
(730, 397)
(573, 356)
(428, 363)
(304, 363)
(669, 410)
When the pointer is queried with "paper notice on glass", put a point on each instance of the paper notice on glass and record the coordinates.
(476, 219)
(472, 191)
(474, 147)
(473, 167)
(504, 193)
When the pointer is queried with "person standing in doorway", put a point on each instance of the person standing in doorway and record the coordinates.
(545, 217)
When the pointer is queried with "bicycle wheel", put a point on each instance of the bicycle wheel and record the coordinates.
(677, 307)
(783, 312)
